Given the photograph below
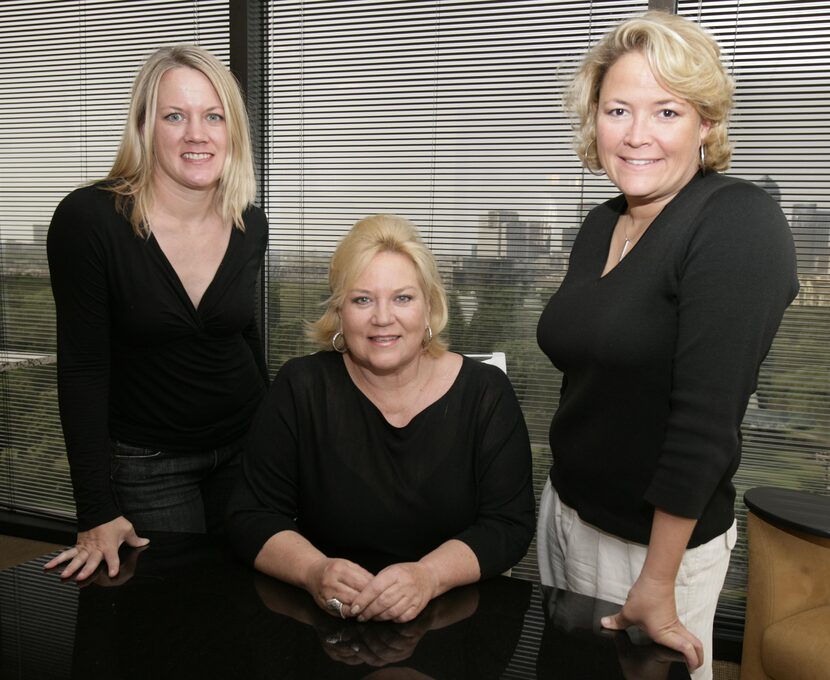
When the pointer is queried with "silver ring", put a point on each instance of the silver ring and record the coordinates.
(335, 606)
(335, 638)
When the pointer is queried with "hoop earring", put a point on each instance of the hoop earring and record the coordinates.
(703, 157)
(427, 337)
(342, 348)
(595, 173)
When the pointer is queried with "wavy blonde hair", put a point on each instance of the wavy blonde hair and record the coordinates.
(686, 61)
(130, 177)
(368, 237)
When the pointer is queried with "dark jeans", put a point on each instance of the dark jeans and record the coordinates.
(162, 491)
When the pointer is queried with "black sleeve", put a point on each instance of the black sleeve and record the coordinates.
(78, 268)
(255, 218)
(505, 523)
(738, 278)
(251, 335)
(265, 500)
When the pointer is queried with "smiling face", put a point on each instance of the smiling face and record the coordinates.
(648, 139)
(190, 137)
(385, 314)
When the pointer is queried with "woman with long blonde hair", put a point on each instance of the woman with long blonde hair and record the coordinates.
(154, 271)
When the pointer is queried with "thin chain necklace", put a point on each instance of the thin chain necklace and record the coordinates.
(629, 240)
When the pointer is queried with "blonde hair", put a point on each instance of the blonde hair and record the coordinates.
(368, 237)
(684, 58)
(130, 177)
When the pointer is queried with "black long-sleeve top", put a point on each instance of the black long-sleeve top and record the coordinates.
(136, 361)
(323, 461)
(661, 355)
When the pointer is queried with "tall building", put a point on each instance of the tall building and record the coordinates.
(811, 231)
(502, 234)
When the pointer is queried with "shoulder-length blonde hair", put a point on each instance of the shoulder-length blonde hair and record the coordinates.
(130, 177)
(368, 237)
(684, 58)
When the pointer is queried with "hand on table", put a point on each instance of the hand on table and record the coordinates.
(381, 643)
(651, 607)
(97, 544)
(125, 572)
(337, 578)
(347, 641)
(398, 593)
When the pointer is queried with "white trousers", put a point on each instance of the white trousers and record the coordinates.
(576, 556)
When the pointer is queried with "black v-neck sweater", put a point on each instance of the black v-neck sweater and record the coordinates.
(661, 355)
(137, 362)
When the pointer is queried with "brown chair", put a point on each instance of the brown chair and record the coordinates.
(787, 632)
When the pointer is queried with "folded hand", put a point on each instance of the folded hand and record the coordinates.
(398, 593)
(337, 578)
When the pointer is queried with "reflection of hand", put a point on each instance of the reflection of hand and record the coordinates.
(371, 643)
(375, 644)
(125, 573)
(452, 607)
(651, 607)
(645, 663)
(396, 674)
(398, 593)
(336, 578)
(99, 544)
(381, 643)
(282, 598)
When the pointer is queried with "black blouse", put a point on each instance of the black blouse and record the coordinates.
(322, 460)
(137, 362)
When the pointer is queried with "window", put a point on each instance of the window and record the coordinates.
(778, 56)
(448, 113)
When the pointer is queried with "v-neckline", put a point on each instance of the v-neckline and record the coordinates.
(194, 309)
(613, 226)
(623, 206)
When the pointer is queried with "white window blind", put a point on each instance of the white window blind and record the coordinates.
(448, 113)
(66, 68)
(778, 53)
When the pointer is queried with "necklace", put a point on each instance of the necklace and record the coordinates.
(629, 240)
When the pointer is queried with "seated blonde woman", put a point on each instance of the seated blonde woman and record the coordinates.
(386, 470)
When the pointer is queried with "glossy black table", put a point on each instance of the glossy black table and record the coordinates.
(184, 608)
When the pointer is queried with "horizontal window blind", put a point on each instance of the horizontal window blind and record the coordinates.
(35, 610)
(448, 113)
(777, 52)
(66, 68)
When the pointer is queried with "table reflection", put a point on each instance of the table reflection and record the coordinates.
(184, 608)
(575, 646)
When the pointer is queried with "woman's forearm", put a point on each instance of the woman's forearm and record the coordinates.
(670, 535)
(651, 604)
(450, 565)
(292, 558)
(289, 557)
